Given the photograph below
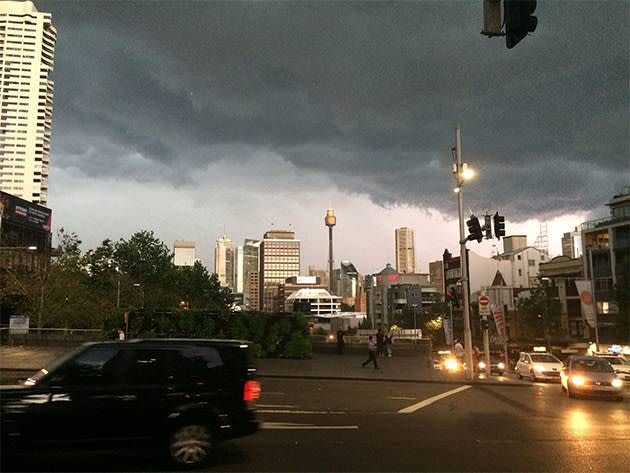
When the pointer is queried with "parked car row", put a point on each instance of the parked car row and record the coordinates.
(601, 374)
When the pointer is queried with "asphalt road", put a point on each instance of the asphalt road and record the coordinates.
(318, 425)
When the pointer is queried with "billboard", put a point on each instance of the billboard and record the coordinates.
(22, 212)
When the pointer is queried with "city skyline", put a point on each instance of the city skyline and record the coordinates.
(374, 146)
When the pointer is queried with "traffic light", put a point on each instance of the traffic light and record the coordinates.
(484, 324)
(474, 229)
(451, 296)
(499, 225)
(519, 20)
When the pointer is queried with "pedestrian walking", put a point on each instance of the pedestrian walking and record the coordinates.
(389, 340)
(458, 350)
(371, 352)
(121, 334)
(380, 342)
(476, 356)
(340, 342)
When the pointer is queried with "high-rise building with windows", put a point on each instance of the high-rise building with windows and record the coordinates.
(184, 253)
(224, 262)
(405, 250)
(246, 262)
(27, 48)
(279, 260)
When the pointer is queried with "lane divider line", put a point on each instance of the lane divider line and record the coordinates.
(402, 398)
(431, 400)
(286, 411)
(290, 426)
(277, 406)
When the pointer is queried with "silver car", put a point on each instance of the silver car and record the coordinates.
(592, 376)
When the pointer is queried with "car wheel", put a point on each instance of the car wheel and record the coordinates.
(569, 393)
(520, 376)
(190, 445)
(533, 375)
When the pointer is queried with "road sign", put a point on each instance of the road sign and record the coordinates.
(484, 306)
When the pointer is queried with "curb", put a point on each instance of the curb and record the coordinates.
(395, 380)
(510, 384)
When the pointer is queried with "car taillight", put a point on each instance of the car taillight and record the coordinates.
(251, 390)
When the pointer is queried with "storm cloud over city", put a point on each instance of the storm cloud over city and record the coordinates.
(193, 112)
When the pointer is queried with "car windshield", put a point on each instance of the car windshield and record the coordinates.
(546, 358)
(593, 365)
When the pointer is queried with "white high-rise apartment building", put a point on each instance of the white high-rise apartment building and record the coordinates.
(224, 262)
(184, 253)
(27, 48)
(405, 250)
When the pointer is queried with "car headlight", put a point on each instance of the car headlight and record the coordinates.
(501, 366)
(451, 364)
(577, 380)
(616, 383)
(539, 368)
(482, 365)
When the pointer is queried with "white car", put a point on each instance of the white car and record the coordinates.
(619, 364)
(539, 366)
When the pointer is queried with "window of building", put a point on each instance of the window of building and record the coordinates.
(520, 272)
(518, 257)
(531, 262)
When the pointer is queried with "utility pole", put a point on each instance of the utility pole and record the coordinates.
(463, 256)
(590, 263)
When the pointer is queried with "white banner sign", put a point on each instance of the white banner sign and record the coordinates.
(448, 331)
(586, 299)
(499, 319)
(18, 324)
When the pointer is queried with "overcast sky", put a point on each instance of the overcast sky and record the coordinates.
(198, 119)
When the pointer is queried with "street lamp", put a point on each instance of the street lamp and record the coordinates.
(462, 173)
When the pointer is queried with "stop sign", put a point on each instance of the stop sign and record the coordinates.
(484, 300)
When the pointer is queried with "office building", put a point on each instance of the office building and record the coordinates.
(279, 260)
(606, 257)
(390, 293)
(184, 253)
(322, 274)
(314, 302)
(252, 295)
(246, 263)
(436, 275)
(346, 283)
(405, 250)
(224, 262)
(27, 48)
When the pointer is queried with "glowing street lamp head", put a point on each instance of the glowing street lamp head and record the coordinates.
(467, 173)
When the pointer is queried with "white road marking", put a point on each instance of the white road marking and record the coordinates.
(402, 398)
(431, 400)
(286, 411)
(291, 426)
(278, 406)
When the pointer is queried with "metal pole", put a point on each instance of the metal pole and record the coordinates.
(462, 257)
(486, 349)
(118, 294)
(450, 310)
(590, 260)
(330, 258)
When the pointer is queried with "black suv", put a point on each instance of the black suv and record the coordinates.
(181, 395)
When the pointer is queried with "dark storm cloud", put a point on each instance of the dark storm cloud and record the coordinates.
(368, 93)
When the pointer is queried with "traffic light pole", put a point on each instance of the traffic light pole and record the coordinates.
(462, 258)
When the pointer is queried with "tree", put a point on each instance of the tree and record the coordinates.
(199, 290)
(541, 310)
(148, 263)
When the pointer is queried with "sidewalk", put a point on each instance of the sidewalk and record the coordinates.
(27, 360)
